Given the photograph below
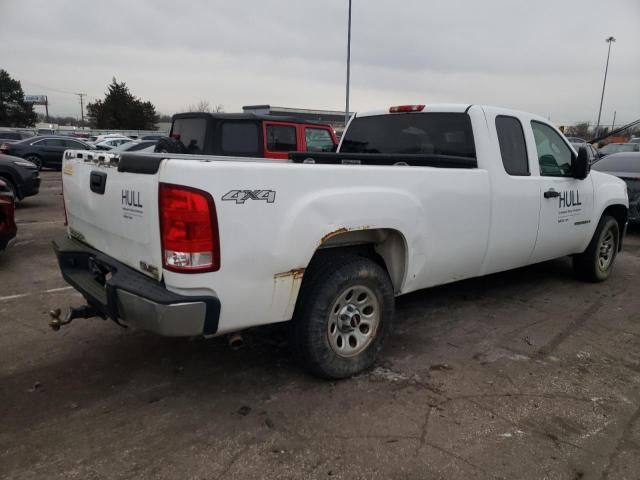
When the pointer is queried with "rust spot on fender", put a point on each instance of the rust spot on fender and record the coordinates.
(295, 274)
(333, 234)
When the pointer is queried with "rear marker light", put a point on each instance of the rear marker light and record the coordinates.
(189, 230)
(406, 108)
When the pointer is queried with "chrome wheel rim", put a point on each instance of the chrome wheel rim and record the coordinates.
(606, 250)
(353, 321)
(35, 160)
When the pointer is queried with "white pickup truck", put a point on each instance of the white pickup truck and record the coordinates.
(416, 196)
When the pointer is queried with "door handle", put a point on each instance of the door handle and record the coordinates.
(551, 193)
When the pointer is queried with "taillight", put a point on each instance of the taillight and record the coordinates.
(406, 108)
(4, 148)
(189, 230)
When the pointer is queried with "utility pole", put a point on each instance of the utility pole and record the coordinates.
(346, 110)
(613, 124)
(609, 40)
(81, 95)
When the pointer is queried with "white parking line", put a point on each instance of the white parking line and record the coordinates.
(22, 295)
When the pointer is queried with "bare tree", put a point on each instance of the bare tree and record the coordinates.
(580, 129)
(205, 106)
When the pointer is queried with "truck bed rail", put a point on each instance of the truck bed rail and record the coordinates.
(413, 160)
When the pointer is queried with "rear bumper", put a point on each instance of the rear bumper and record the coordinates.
(127, 296)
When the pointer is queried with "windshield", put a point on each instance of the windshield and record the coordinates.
(411, 133)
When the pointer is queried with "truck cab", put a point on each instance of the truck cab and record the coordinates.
(248, 135)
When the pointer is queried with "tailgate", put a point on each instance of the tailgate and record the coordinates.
(115, 212)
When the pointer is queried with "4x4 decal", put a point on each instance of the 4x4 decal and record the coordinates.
(241, 196)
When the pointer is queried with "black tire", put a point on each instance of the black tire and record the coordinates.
(596, 262)
(35, 159)
(12, 188)
(325, 286)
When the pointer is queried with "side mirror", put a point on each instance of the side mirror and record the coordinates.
(581, 165)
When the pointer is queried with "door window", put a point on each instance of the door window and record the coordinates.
(513, 148)
(554, 156)
(281, 138)
(318, 140)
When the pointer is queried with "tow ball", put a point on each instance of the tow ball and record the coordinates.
(86, 311)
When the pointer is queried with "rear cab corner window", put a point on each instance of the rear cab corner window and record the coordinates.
(513, 147)
(554, 155)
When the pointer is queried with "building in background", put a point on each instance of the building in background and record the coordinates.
(335, 118)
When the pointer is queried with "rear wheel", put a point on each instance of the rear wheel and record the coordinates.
(343, 315)
(35, 159)
(596, 262)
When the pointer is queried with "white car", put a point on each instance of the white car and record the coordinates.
(416, 196)
(110, 143)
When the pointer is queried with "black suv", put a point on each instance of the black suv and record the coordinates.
(44, 151)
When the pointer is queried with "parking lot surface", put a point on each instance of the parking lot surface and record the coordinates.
(525, 374)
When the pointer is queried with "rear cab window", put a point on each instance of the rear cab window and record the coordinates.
(448, 134)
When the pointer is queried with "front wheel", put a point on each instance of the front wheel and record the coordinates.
(596, 262)
(343, 315)
(35, 159)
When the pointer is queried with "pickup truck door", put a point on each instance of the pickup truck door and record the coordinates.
(567, 203)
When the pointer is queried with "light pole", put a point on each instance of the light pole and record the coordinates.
(609, 40)
(346, 110)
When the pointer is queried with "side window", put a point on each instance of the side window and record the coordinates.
(75, 145)
(318, 140)
(281, 138)
(513, 148)
(554, 156)
(190, 132)
(240, 137)
(54, 142)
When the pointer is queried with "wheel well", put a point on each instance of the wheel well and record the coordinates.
(8, 178)
(385, 246)
(620, 213)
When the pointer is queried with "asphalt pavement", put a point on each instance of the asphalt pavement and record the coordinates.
(529, 374)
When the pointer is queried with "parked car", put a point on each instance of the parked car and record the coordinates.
(576, 140)
(245, 135)
(108, 136)
(634, 140)
(44, 151)
(627, 167)
(111, 143)
(136, 146)
(618, 148)
(415, 197)
(12, 136)
(592, 153)
(20, 176)
(8, 228)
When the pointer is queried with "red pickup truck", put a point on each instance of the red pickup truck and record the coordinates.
(245, 135)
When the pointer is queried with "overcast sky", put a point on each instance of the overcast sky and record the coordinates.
(543, 56)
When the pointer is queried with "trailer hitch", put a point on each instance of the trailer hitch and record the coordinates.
(86, 311)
